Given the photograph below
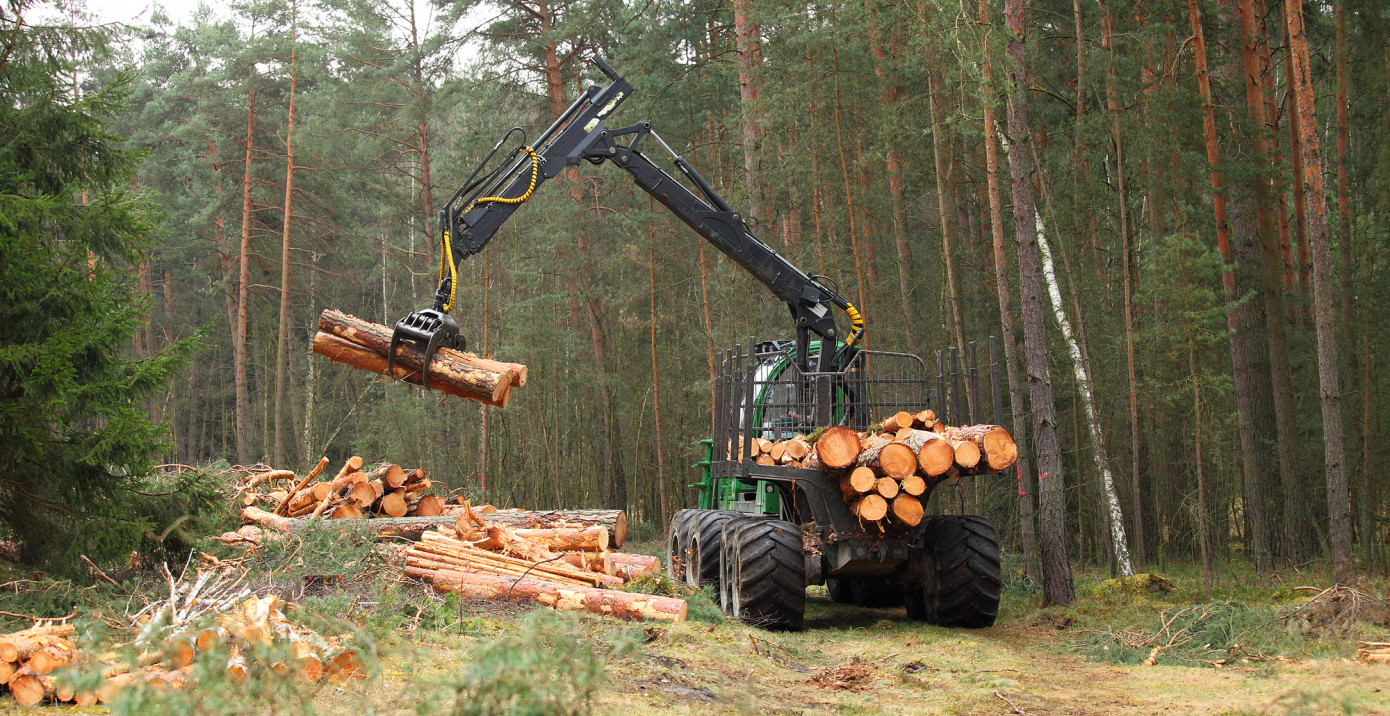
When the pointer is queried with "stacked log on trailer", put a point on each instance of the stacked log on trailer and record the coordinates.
(568, 568)
(384, 491)
(886, 473)
(362, 344)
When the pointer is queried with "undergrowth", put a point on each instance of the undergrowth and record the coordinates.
(700, 604)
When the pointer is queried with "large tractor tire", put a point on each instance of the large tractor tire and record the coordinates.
(841, 589)
(955, 581)
(768, 580)
(704, 530)
(728, 561)
(875, 592)
(677, 544)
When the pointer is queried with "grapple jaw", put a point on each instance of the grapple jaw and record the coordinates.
(429, 329)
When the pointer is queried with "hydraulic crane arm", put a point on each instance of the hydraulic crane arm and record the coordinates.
(470, 219)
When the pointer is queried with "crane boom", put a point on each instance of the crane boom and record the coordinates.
(473, 215)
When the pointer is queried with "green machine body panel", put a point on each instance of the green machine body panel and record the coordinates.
(763, 496)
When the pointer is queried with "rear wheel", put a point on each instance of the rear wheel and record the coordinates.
(704, 537)
(840, 589)
(768, 582)
(677, 542)
(728, 560)
(955, 582)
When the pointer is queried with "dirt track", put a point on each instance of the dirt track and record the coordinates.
(907, 668)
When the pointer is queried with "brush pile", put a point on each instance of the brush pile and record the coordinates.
(887, 472)
(385, 491)
(212, 617)
(565, 567)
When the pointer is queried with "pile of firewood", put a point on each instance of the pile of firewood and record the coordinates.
(168, 643)
(387, 491)
(568, 566)
(1373, 652)
(887, 472)
(363, 344)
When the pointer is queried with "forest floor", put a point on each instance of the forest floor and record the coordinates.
(1084, 659)
(1256, 648)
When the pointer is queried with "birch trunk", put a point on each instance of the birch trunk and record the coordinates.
(1119, 545)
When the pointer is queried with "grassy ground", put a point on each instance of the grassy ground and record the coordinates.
(1236, 655)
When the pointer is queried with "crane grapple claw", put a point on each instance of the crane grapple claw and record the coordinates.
(430, 329)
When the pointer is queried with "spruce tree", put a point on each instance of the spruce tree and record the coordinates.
(75, 438)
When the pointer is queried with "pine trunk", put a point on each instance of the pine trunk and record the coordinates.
(1338, 500)
(243, 394)
(1056, 567)
(283, 335)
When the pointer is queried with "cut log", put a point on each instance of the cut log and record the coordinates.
(924, 419)
(633, 566)
(437, 549)
(623, 605)
(914, 486)
(796, 449)
(891, 459)
(894, 423)
(7, 669)
(934, 455)
(392, 504)
(836, 449)
(179, 651)
(347, 511)
(378, 338)
(346, 665)
(908, 510)
(431, 505)
(601, 562)
(210, 638)
(18, 648)
(51, 657)
(1000, 450)
(446, 376)
(871, 507)
(777, 451)
(857, 482)
(888, 487)
(902, 433)
(29, 687)
(448, 366)
(362, 494)
(392, 476)
(614, 520)
(967, 453)
(589, 539)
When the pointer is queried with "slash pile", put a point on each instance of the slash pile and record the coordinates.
(243, 630)
(563, 567)
(888, 471)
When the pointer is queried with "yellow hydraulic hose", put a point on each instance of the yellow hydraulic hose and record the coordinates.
(447, 257)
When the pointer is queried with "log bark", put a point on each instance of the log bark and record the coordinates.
(446, 376)
(995, 443)
(377, 338)
(623, 605)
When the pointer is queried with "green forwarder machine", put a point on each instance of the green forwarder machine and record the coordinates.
(762, 533)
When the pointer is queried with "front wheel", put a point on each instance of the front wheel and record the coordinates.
(955, 581)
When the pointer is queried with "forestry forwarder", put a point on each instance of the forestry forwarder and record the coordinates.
(764, 532)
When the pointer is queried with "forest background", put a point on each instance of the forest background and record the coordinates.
(1175, 239)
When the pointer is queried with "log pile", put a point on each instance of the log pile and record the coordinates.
(385, 491)
(245, 635)
(362, 344)
(886, 473)
(568, 568)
